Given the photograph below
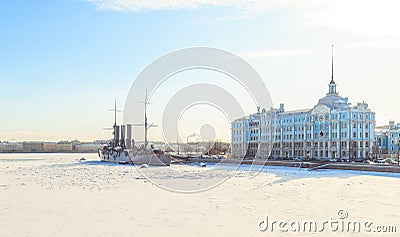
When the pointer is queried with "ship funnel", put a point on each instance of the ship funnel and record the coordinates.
(116, 135)
(128, 141)
(123, 136)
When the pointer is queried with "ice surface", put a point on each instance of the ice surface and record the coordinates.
(59, 195)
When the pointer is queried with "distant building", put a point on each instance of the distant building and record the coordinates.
(65, 147)
(50, 147)
(33, 146)
(333, 128)
(387, 140)
(101, 141)
(57, 147)
(87, 147)
(8, 147)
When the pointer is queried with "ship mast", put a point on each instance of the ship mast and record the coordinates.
(115, 123)
(177, 143)
(115, 128)
(146, 124)
(145, 120)
(115, 112)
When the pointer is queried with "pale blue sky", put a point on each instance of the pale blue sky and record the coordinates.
(62, 62)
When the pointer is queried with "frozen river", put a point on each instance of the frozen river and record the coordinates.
(60, 195)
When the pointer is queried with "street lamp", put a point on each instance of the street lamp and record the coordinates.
(379, 152)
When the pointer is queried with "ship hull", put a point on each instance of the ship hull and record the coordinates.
(138, 159)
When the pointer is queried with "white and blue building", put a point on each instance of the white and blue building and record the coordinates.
(387, 139)
(332, 129)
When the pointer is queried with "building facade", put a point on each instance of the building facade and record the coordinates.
(50, 147)
(8, 147)
(332, 129)
(387, 140)
(33, 146)
(57, 147)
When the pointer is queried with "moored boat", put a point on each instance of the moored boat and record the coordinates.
(123, 151)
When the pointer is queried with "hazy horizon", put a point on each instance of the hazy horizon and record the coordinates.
(64, 62)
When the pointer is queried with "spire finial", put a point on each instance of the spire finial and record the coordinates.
(332, 84)
(332, 81)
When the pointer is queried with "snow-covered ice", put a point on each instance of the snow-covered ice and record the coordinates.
(61, 195)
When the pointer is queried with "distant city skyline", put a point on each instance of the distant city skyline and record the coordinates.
(64, 62)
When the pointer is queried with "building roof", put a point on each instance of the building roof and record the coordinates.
(297, 111)
(330, 99)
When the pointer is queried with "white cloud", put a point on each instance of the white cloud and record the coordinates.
(275, 54)
(137, 5)
(367, 17)
(381, 43)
